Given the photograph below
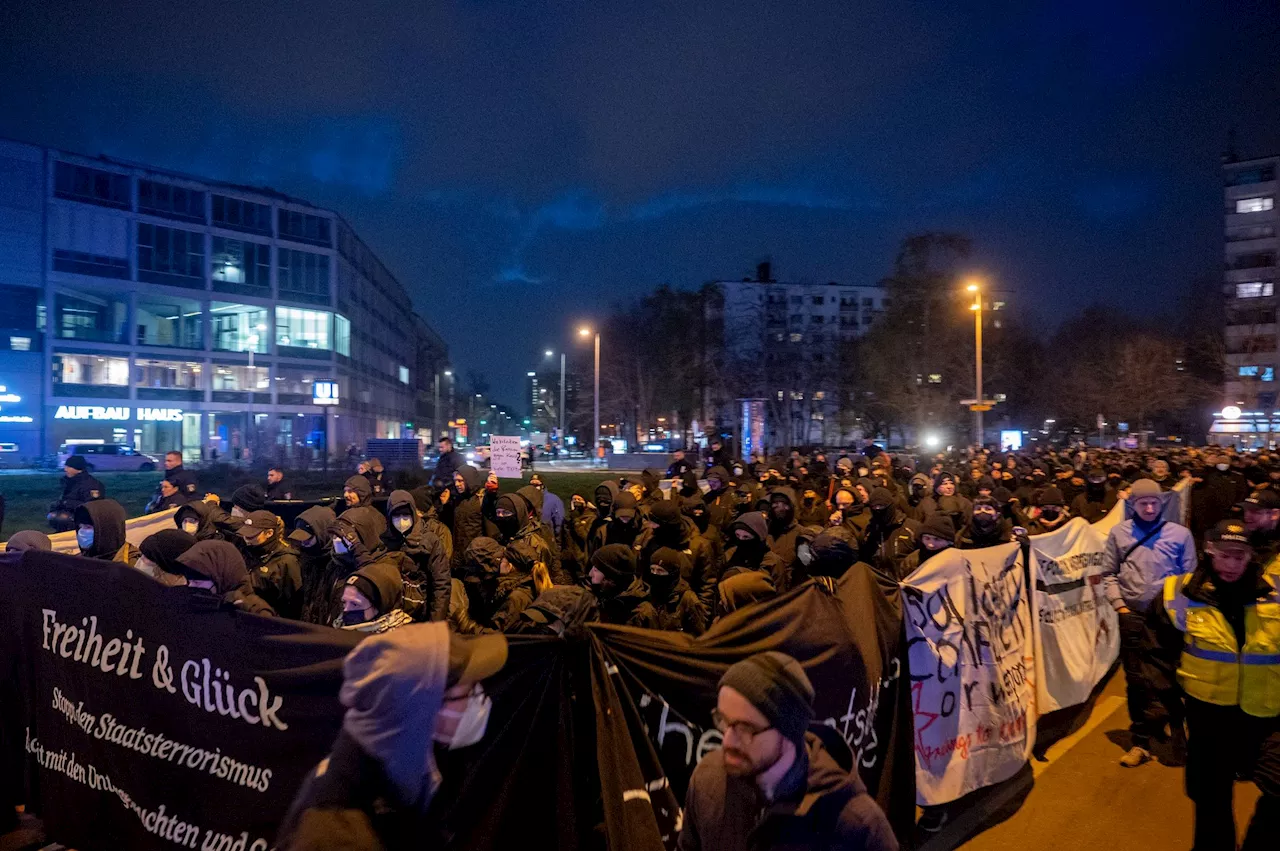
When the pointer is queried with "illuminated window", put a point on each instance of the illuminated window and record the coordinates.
(1268, 373)
(1255, 289)
(1248, 372)
(302, 329)
(935, 378)
(235, 325)
(90, 369)
(1259, 204)
(341, 335)
(403, 373)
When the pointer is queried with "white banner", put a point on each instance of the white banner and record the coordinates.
(1079, 636)
(504, 456)
(969, 620)
(135, 529)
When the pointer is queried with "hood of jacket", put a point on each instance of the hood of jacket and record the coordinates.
(218, 561)
(471, 476)
(397, 502)
(384, 577)
(534, 497)
(611, 487)
(393, 685)
(107, 518)
(484, 558)
(753, 522)
(203, 513)
(718, 472)
(519, 507)
(359, 484)
(363, 527)
(744, 588)
(317, 519)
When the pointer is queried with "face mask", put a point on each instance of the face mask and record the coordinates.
(237, 511)
(84, 537)
(351, 617)
(1222, 467)
(308, 543)
(472, 721)
(403, 523)
(340, 547)
(190, 526)
(984, 521)
(805, 553)
(883, 514)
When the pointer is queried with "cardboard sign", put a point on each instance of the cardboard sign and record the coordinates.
(504, 456)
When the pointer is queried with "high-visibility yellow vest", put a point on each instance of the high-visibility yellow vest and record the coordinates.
(1214, 668)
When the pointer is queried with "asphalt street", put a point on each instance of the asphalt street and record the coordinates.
(1080, 797)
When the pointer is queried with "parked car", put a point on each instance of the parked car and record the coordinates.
(109, 457)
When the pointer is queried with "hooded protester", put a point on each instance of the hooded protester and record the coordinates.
(1095, 500)
(319, 571)
(78, 487)
(783, 527)
(357, 491)
(217, 569)
(695, 508)
(407, 693)
(373, 600)
(651, 487)
(831, 553)
(247, 498)
(1050, 511)
(552, 510)
(743, 589)
(464, 511)
(937, 533)
(207, 522)
(890, 535)
(720, 498)
(670, 528)
(159, 554)
(773, 784)
(985, 527)
(563, 612)
(945, 499)
(918, 487)
(426, 500)
(849, 511)
(28, 539)
(535, 502)
(426, 583)
(688, 485)
(498, 589)
(275, 570)
(517, 521)
(100, 532)
(677, 607)
(355, 541)
(624, 526)
(620, 594)
(813, 510)
(749, 550)
(587, 524)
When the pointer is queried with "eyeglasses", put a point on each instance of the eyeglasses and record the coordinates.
(743, 730)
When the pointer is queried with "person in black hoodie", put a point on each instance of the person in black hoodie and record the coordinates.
(534, 500)
(373, 600)
(890, 535)
(624, 524)
(100, 532)
(275, 570)
(783, 527)
(357, 491)
(936, 534)
(426, 586)
(814, 511)
(669, 528)
(720, 498)
(216, 568)
(1096, 500)
(1050, 512)
(159, 553)
(605, 494)
(749, 551)
(500, 582)
(427, 501)
(621, 595)
(207, 521)
(463, 511)
(676, 606)
(319, 571)
(355, 541)
(986, 527)
(515, 522)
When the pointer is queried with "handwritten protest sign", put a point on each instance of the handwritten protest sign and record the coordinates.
(504, 456)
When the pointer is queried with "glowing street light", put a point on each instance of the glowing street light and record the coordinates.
(585, 332)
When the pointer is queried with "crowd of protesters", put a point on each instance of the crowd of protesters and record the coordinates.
(680, 549)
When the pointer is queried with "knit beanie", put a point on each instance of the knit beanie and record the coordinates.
(776, 685)
(165, 547)
(939, 526)
(617, 562)
(249, 498)
(1143, 488)
(665, 513)
(76, 462)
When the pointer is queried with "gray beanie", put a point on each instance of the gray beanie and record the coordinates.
(775, 684)
(1143, 488)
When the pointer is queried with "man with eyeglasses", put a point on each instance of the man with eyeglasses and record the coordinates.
(773, 784)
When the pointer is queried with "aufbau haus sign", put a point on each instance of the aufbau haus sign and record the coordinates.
(118, 413)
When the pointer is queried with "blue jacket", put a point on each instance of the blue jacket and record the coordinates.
(553, 511)
(1136, 582)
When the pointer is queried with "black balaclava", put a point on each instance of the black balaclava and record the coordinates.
(670, 531)
(695, 508)
(513, 523)
(781, 522)
(752, 549)
(674, 563)
(606, 493)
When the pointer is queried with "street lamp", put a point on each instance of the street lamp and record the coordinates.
(585, 332)
(550, 354)
(979, 403)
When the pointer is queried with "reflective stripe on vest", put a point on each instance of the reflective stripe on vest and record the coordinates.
(1213, 667)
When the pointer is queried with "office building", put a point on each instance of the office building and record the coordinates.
(1251, 268)
(168, 312)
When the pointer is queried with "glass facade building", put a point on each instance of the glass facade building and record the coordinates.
(129, 289)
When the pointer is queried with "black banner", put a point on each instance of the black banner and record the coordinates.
(145, 723)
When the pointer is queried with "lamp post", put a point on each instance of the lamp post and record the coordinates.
(585, 332)
(550, 354)
(976, 307)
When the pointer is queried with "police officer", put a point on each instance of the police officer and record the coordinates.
(182, 478)
(78, 487)
(1223, 620)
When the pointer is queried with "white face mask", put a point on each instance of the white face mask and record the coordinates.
(1222, 467)
(402, 522)
(84, 537)
(190, 526)
(472, 721)
(237, 511)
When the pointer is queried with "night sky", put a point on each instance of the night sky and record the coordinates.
(523, 165)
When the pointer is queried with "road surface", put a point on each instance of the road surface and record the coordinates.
(1080, 797)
